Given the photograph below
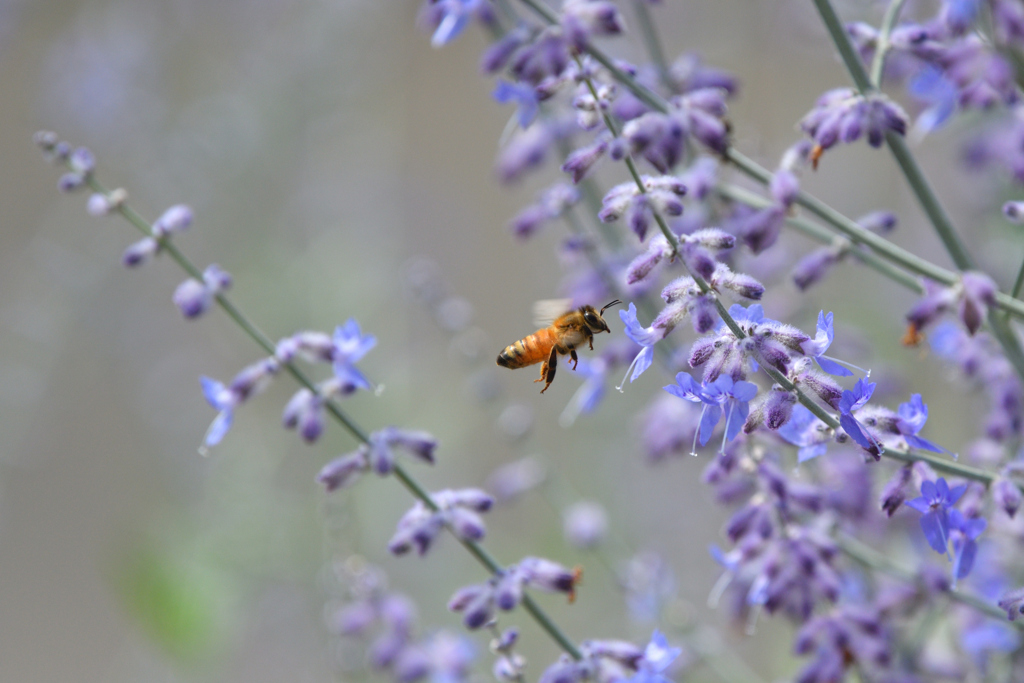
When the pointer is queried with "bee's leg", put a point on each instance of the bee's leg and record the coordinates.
(590, 337)
(547, 371)
(575, 358)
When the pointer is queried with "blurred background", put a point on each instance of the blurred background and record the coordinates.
(339, 167)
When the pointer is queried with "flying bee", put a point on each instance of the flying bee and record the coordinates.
(562, 337)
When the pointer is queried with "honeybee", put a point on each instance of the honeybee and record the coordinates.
(568, 331)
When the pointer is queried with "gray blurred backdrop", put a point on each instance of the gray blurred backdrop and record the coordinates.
(327, 151)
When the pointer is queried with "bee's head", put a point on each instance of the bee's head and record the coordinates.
(593, 317)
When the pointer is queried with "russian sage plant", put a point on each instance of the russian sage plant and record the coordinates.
(889, 554)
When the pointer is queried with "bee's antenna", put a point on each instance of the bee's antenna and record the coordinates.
(609, 305)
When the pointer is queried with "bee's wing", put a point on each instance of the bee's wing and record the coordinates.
(546, 310)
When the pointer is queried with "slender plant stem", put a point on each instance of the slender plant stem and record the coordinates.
(1018, 283)
(654, 49)
(873, 559)
(411, 484)
(892, 13)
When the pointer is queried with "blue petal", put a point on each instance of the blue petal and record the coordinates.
(744, 391)
(973, 528)
(799, 431)
(964, 560)
(822, 338)
(924, 444)
(219, 427)
(810, 452)
(914, 413)
(736, 416)
(920, 504)
(642, 361)
(853, 428)
(593, 393)
(212, 390)
(935, 531)
(708, 422)
(658, 656)
(686, 387)
(350, 376)
(453, 24)
(954, 494)
(832, 367)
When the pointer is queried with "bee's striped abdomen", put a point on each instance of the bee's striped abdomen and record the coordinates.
(534, 348)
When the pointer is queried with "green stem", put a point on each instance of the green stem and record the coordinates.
(411, 484)
(892, 13)
(1018, 283)
(650, 38)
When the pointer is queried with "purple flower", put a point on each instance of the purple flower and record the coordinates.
(580, 161)
(305, 412)
(1013, 603)
(660, 194)
(852, 400)
(912, 417)
(104, 204)
(224, 401)
(760, 229)
(343, 471)
(963, 533)
(939, 94)
(642, 266)
(816, 347)
(721, 395)
(894, 492)
(646, 337)
(581, 18)
(193, 298)
(495, 57)
(807, 432)
(1006, 495)
(844, 115)
(382, 442)
(454, 17)
(175, 219)
(525, 149)
(523, 95)
(82, 161)
(456, 509)
(934, 503)
(246, 384)
(553, 202)
(657, 658)
(350, 345)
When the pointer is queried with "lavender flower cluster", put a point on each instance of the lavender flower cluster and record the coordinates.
(828, 485)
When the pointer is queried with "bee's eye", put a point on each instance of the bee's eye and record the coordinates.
(591, 319)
